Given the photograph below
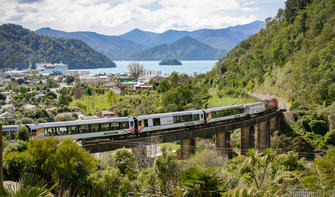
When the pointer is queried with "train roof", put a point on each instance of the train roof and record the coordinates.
(7, 128)
(168, 114)
(224, 108)
(77, 122)
(256, 103)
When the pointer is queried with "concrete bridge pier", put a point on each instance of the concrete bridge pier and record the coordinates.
(222, 142)
(187, 148)
(140, 153)
(263, 135)
(274, 124)
(247, 138)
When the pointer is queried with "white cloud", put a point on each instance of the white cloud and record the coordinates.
(119, 16)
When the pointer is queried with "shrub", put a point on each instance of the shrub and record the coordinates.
(330, 137)
(22, 133)
(16, 164)
(17, 146)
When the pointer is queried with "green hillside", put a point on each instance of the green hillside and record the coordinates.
(19, 46)
(294, 57)
(185, 48)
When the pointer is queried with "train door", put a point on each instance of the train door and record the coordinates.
(135, 125)
(150, 123)
(203, 117)
(132, 127)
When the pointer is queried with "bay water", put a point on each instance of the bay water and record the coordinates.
(189, 67)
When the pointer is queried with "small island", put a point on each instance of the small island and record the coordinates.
(170, 62)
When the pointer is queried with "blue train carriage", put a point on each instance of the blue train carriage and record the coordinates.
(9, 131)
(155, 122)
(81, 129)
(224, 113)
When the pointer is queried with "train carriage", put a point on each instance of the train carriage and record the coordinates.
(9, 131)
(81, 129)
(224, 113)
(254, 108)
(169, 120)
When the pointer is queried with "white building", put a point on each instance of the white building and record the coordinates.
(47, 68)
(151, 72)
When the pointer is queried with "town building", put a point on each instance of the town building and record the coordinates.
(106, 114)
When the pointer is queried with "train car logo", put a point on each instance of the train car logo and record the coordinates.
(39, 134)
(209, 116)
(142, 126)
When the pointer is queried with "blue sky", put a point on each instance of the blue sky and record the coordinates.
(113, 17)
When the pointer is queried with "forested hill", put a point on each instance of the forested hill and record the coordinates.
(293, 57)
(19, 46)
(185, 48)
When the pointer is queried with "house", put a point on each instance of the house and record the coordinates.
(124, 83)
(8, 116)
(8, 108)
(140, 86)
(29, 106)
(106, 114)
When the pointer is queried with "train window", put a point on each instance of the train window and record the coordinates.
(72, 129)
(84, 128)
(202, 116)
(124, 125)
(131, 124)
(189, 118)
(156, 121)
(195, 117)
(94, 128)
(115, 126)
(48, 131)
(176, 119)
(105, 127)
(62, 131)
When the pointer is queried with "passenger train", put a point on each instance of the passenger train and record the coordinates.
(83, 129)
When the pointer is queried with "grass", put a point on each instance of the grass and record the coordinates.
(96, 103)
(216, 101)
(171, 146)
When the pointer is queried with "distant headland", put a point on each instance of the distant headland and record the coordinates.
(170, 62)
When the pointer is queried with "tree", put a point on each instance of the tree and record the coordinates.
(125, 161)
(112, 97)
(72, 167)
(22, 133)
(29, 185)
(135, 69)
(166, 169)
(201, 182)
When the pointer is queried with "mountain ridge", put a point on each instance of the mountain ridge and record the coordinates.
(186, 48)
(127, 46)
(20, 46)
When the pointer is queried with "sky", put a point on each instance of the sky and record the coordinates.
(114, 17)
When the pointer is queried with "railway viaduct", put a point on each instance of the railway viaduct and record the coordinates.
(255, 133)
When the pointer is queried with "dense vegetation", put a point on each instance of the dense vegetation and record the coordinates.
(71, 171)
(19, 47)
(294, 59)
(170, 62)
